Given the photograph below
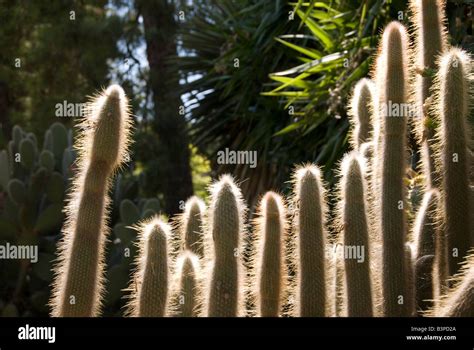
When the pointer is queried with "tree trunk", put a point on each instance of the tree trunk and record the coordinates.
(170, 126)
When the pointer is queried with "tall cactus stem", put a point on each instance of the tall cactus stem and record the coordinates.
(310, 226)
(102, 147)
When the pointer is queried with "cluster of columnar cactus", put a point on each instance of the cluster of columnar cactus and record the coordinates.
(372, 254)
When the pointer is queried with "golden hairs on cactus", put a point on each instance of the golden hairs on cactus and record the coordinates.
(271, 272)
(192, 226)
(102, 148)
(186, 289)
(354, 221)
(392, 82)
(459, 300)
(426, 232)
(360, 111)
(310, 230)
(453, 139)
(430, 42)
(151, 279)
(409, 297)
(226, 288)
(339, 278)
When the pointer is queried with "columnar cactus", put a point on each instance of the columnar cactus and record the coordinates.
(425, 233)
(78, 285)
(459, 300)
(187, 289)
(409, 299)
(440, 271)
(392, 82)
(310, 229)
(192, 226)
(150, 283)
(226, 290)
(430, 42)
(340, 284)
(353, 220)
(360, 111)
(452, 109)
(272, 275)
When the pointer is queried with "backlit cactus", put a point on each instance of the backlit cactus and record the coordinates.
(78, 285)
(272, 274)
(349, 254)
(360, 111)
(426, 232)
(410, 295)
(226, 289)
(192, 225)
(392, 78)
(310, 226)
(355, 244)
(454, 138)
(459, 300)
(151, 280)
(187, 286)
(430, 42)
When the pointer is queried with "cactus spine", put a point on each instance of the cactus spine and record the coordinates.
(430, 41)
(311, 233)
(355, 242)
(151, 278)
(226, 289)
(452, 88)
(360, 111)
(271, 272)
(392, 76)
(78, 285)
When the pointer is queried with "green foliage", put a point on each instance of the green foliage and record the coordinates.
(333, 48)
(32, 199)
(228, 52)
(63, 50)
(33, 188)
(129, 212)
